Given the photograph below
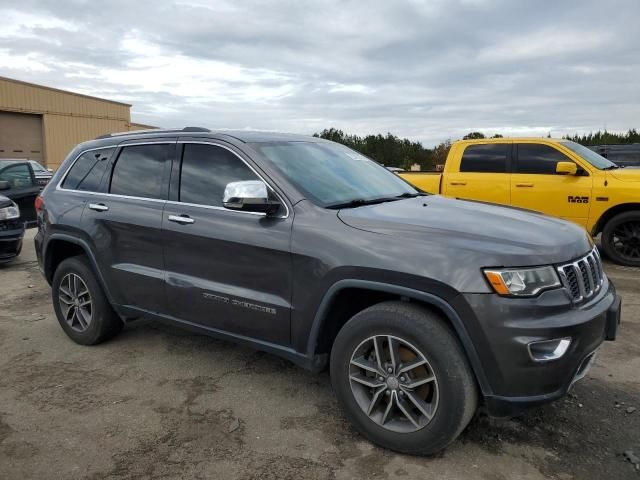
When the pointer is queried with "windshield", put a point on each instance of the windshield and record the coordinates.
(590, 156)
(331, 174)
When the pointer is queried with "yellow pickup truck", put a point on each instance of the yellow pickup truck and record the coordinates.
(556, 177)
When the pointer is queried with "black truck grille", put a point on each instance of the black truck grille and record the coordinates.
(584, 277)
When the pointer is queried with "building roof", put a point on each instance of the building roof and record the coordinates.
(35, 85)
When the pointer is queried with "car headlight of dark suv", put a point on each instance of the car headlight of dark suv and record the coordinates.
(9, 213)
(522, 282)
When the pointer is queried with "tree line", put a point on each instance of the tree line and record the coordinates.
(393, 151)
(606, 138)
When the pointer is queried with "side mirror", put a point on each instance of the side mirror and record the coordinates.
(566, 168)
(4, 185)
(249, 196)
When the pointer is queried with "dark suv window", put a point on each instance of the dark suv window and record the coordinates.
(139, 171)
(539, 159)
(489, 158)
(87, 172)
(18, 176)
(205, 172)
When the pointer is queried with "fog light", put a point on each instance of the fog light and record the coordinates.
(548, 350)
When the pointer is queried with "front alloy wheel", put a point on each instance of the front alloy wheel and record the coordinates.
(393, 383)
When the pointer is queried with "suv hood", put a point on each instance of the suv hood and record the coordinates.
(495, 235)
(626, 174)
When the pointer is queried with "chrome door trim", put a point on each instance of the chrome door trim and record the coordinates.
(181, 219)
(98, 207)
(115, 147)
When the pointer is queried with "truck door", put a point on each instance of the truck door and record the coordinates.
(483, 174)
(536, 185)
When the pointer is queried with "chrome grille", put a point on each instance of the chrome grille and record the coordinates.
(584, 277)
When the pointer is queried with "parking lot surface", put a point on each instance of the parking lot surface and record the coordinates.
(159, 402)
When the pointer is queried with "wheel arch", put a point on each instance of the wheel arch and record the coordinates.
(435, 302)
(61, 246)
(612, 212)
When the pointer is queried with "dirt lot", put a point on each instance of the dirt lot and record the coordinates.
(158, 402)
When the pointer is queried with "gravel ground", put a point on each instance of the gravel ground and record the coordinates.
(158, 402)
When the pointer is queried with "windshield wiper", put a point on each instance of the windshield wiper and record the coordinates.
(360, 202)
(611, 167)
(412, 195)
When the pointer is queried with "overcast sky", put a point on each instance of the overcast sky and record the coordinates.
(424, 70)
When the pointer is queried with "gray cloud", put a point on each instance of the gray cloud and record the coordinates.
(429, 71)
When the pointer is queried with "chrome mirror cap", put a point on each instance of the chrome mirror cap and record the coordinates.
(248, 196)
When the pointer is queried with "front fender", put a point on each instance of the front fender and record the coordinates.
(401, 291)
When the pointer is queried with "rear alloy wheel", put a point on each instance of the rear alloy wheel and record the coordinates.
(621, 239)
(82, 308)
(75, 302)
(402, 378)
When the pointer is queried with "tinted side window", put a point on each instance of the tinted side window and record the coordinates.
(139, 170)
(205, 172)
(489, 158)
(18, 176)
(535, 158)
(87, 172)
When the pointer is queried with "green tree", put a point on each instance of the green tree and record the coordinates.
(474, 136)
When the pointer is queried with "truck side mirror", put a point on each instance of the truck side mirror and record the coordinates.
(4, 185)
(566, 168)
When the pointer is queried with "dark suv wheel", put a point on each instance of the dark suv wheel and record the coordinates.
(621, 239)
(80, 304)
(402, 378)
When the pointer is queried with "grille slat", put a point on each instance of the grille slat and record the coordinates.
(584, 277)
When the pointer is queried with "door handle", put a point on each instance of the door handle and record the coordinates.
(523, 185)
(182, 219)
(457, 183)
(98, 207)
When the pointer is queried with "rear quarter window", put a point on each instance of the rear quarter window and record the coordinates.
(487, 158)
(88, 170)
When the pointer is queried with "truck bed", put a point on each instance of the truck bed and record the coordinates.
(425, 181)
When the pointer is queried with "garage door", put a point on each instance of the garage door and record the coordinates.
(21, 136)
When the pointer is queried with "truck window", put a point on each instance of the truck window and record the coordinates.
(206, 171)
(538, 159)
(487, 158)
(139, 169)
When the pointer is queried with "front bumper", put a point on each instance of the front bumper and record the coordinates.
(503, 328)
(11, 235)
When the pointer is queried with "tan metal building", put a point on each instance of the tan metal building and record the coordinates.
(44, 124)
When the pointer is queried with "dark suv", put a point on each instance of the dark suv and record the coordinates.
(424, 307)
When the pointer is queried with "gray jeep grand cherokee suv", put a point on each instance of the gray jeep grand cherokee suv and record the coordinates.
(424, 307)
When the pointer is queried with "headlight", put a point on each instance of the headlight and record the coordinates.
(522, 282)
(9, 213)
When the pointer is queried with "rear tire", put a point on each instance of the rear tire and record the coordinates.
(82, 309)
(621, 239)
(422, 420)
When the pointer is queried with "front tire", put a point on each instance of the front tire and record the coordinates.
(402, 378)
(621, 239)
(82, 309)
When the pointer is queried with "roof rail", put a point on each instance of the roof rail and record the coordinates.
(155, 130)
